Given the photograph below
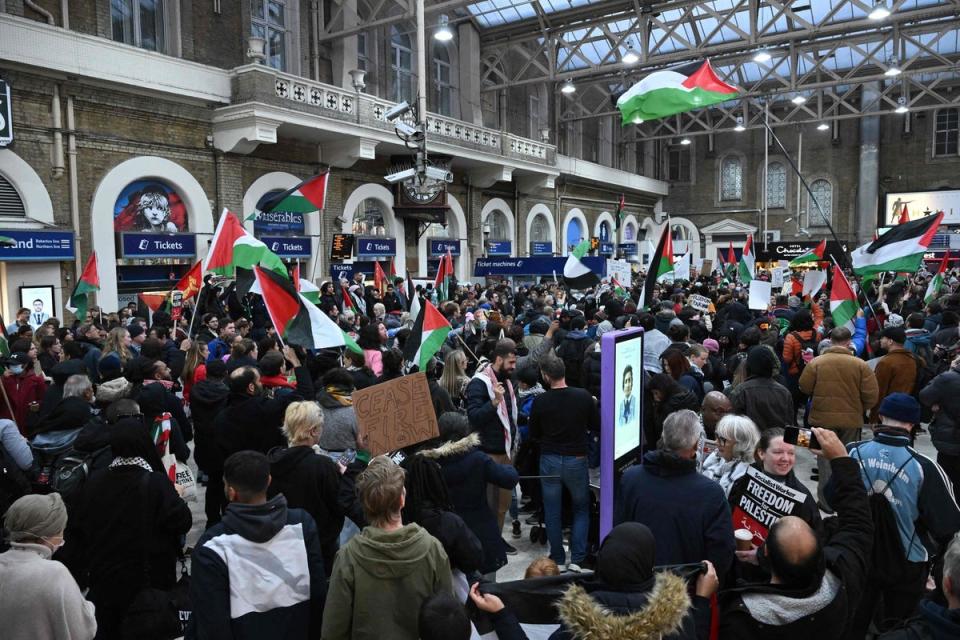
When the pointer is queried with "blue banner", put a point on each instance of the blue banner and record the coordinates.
(376, 247)
(541, 248)
(288, 246)
(536, 266)
(499, 248)
(607, 248)
(628, 248)
(344, 270)
(158, 245)
(278, 222)
(37, 245)
(438, 247)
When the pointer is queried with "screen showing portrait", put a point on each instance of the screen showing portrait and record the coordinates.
(629, 373)
(39, 300)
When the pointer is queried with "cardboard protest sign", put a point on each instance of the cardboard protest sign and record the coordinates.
(761, 501)
(776, 277)
(699, 302)
(707, 267)
(759, 295)
(395, 414)
(620, 269)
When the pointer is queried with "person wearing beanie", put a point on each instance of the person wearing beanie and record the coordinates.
(897, 370)
(39, 598)
(761, 398)
(921, 499)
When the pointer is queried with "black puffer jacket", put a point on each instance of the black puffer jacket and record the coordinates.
(767, 402)
(207, 399)
(944, 390)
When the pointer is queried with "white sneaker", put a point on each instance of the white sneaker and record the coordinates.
(574, 568)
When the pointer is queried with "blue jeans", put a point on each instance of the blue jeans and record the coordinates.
(572, 472)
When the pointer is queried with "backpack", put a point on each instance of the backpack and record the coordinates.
(927, 370)
(888, 559)
(811, 344)
(70, 470)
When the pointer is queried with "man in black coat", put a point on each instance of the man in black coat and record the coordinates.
(815, 587)
(207, 399)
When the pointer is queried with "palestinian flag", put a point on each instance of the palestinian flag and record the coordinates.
(444, 277)
(576, 274)
(843, 301)
(297, 320)
(662, 263)
(901, 248)
(190, 284)
(746, 269)
(426, 337)
(232, 247)
(621, 205)
(308, 290)
(155, 301)
(730, 264)
(671, 91)
(813, 256)
(307, 197)
(88, 282)
(933, 289)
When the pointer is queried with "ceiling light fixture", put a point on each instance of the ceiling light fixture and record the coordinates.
(685, 141)
(443, 33)
(902, 105)
(568, 87)
(637, 120)
(739, 126)
(823, 126)
(762, 56)
(893, 69)
(630, 57)
(880, 11)
(798, 99)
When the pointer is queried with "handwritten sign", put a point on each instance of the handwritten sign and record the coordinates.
(699, 302)
(759, 501)
(395, 414)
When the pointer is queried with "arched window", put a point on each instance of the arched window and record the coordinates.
(540, 229)
(776, 185)
(604, 231)
(823, 192)
(443, 89)
(679, 232)
(401, 64)
(574, 233)
(11, 204)
(731, 178)
(499, 226)
(369, 220)
(946, 133)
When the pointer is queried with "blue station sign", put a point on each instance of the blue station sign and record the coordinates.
(628, 248)
(439, 247)
(158, 245)
(37, 246)
(607, 248)
(541, 248)
(376, 247)
(535, 266)
(288, 246)
(499, 248)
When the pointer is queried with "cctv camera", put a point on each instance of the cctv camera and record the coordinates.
(404, 129)
(441, 175)
(401, 176)
(396, 111)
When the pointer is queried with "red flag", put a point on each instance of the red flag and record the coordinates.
(347, 300)
(731, 255)
(279, 297)
(90, 276)
(904, 215)
(295, 276)
(379, 278)
(189, 285)
(393, 270)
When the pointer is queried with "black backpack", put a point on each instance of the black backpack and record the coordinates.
(71, 470)
(811, 344)
(889, 559)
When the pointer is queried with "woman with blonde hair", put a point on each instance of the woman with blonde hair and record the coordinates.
(116, 350)
(454, 378)
(309, 479)
(737, 439)
(194, 366)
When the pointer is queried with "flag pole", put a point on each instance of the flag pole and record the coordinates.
(860, 287)
(472, 354)
(196, 308)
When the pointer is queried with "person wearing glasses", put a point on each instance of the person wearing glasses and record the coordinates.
(737, 438)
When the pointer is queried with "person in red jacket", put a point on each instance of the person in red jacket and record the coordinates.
(23, 389)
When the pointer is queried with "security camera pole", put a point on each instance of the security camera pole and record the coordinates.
(421, 91)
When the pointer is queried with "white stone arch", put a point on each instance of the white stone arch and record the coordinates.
(281, 180)
(693, 233)
(105, 197)
(541, 209)
(629, 220)
(393, 224)
(605, 216)
(29, 186)
(499, 204)
(456, 229)
(573, 214)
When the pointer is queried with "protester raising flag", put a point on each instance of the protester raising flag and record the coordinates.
(189, 285)
(88, 282)
(444, 277)
(933, 289)
(813, 256)
(746, 268)
(232, 248)
(309, 196)
(426, 337)
(901, 248)
(576, 274)
(296, 319)
(843, 301)
(660, 264)
(671, 91)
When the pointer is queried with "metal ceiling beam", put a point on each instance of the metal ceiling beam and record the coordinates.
(330, 33)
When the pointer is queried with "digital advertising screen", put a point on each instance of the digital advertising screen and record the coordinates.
(626, 432)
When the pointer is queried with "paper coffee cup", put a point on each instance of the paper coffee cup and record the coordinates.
(744, 539)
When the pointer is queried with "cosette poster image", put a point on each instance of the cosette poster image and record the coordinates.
(149, 206)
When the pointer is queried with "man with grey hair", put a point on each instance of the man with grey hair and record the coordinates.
(78, 386)
(687, 513)
(934, 620)
(73, 410)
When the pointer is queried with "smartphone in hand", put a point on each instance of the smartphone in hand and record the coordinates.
(800, 437)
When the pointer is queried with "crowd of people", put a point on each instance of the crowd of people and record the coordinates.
(110, 426)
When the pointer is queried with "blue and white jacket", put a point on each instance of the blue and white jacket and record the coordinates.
(258, 574)
(921, 493)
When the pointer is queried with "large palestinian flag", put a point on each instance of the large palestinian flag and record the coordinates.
(748, 260)
(576, 273)
(665, 93)
(307, 197)
(661, 264)
(426, 337)
(88, 282)
(900, 249)
(232, 248)
(813, 256)
(444, 280)
(296, 319)
(843, 301)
